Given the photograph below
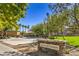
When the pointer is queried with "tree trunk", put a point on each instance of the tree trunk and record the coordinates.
(56, 34)
(2, 34)
(62, 34)
(49, 34)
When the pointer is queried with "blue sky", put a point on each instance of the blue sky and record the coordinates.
(35, 14)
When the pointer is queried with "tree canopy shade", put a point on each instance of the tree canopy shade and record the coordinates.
(10, 14)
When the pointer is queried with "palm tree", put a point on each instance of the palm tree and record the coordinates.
(20, 26)
(23, 28)
(26, 28)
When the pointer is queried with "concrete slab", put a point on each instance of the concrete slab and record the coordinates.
(16, 41)
(4, 48)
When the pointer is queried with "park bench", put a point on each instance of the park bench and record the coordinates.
(36, 46)
(61, 44)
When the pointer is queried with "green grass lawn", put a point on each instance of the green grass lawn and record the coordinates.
(72, 40)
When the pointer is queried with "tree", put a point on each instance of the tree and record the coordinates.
(57, 22)
(73, 13)
(52, 24)
(38, 29)
(20, 26)
(26, 27)
(10, 14)
(60, 17)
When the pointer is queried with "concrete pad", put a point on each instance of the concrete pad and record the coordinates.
(4, 48)
(16, 41)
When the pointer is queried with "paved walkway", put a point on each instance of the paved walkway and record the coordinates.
(16, 41)
(4, 48)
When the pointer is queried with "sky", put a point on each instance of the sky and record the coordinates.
(35, 14)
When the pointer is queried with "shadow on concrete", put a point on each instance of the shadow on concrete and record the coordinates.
(45, 52)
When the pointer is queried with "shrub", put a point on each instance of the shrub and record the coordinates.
(51, 37)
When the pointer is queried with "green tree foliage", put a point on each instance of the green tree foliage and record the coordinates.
(57, 23)
(71, 13)
(38, 29)
(10, 14)
(62, 15)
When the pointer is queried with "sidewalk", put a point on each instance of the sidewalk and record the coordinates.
(4, 48)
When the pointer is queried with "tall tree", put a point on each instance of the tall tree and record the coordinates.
(59, 18)
(73, 11)
(38, 29)
(10, 14)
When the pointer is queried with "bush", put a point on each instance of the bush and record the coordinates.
(51, 37)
